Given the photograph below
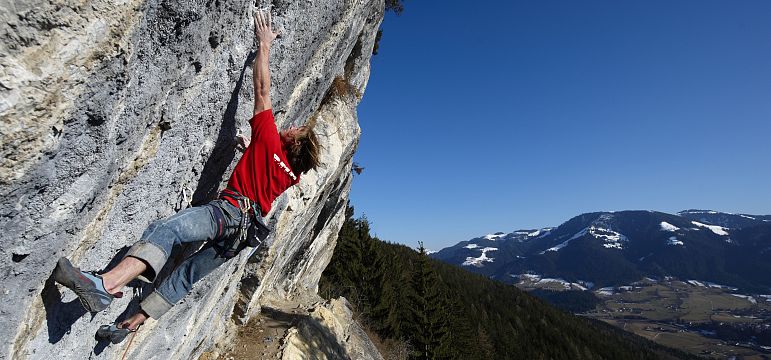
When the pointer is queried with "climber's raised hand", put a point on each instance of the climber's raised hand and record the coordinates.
(262, 28)
(265, 35)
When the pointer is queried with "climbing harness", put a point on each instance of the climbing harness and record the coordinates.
(251, 231)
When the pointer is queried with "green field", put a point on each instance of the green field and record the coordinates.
(669, 312)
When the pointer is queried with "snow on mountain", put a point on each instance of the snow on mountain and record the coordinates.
(749, 298)
(607, 291)
(566, 242)
(695, 212)
(540, 232)
(479, 261)
(726, 220)
(673, 241)
(612, 239)
(665, 226)
(718, 286)
(715, 229)
(534, 279)
(519, 235)
(494, 236)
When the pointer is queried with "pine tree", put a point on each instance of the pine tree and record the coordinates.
(418, 323)
(429, 317)
(484, 343)
(392, 311)
(346, 262)
(372, 286)
(460, 343)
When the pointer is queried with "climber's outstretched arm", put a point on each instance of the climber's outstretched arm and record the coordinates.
(265, 36)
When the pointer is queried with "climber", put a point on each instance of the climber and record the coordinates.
(271, 163)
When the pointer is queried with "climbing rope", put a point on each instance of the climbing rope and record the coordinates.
(129, 345)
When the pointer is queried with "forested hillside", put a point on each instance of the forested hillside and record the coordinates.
(442, 312)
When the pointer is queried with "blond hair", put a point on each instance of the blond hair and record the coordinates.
(303, 152)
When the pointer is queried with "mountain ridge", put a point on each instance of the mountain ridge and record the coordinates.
(616, 248)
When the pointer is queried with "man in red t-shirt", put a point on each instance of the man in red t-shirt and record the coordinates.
(272, 162)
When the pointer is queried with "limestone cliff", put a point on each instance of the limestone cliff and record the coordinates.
(115, 113)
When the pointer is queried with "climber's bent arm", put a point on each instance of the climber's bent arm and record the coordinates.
(265, 35)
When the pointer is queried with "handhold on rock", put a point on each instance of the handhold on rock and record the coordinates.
(95, 118)
(18, 257)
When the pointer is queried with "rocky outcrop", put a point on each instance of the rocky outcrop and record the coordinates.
(329, 332)
(115, 114)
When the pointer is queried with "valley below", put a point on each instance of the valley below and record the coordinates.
(701, 318)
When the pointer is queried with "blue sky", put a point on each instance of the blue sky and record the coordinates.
(499, 115)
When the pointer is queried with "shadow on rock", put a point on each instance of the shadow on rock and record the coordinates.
(59, 315)
(101, 344)
(224, 150)
(116, 259)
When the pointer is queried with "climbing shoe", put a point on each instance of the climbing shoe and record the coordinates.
(89, 287)
(114, 333)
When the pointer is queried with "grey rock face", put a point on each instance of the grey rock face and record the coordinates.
(114, 114)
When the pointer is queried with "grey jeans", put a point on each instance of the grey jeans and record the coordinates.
(190, 225)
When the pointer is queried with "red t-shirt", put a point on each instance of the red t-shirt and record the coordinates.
(263, 172)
